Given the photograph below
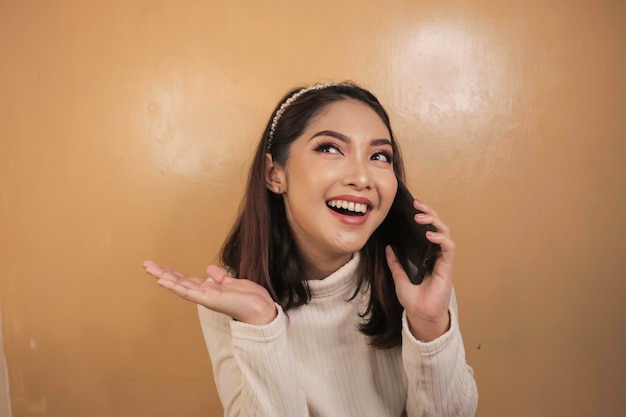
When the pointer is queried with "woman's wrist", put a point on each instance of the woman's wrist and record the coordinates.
(263, 316)
(427, 330)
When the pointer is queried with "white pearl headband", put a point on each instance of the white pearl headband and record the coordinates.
(287, 103)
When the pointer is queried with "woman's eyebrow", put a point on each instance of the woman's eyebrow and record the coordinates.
(380, 142)
(346, 139)
(333, 134)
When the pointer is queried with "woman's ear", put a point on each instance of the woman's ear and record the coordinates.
(274, 175)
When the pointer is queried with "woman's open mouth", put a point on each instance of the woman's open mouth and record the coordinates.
(347, 208)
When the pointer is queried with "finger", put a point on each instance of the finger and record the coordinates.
(150, 265)
(153, 269)
(448, 247)
(191, 294)
(193, 283)
(423, 218)
(430, 216)
(165, 275)
(174, 272)
(423, 207)
(217, 273)
(158, 270)
(195, 280)
(397, 272)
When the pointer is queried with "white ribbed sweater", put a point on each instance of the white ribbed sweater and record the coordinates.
(315, 362)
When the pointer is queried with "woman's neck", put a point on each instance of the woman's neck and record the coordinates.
(317, 269)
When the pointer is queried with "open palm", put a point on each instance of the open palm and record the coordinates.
(241, 299)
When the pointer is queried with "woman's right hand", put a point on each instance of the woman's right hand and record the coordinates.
(241, 299)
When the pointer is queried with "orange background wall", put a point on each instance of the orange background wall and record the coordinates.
(126, 128)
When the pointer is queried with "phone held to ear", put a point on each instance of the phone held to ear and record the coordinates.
(416, 254)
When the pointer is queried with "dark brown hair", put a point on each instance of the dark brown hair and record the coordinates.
(261, 247)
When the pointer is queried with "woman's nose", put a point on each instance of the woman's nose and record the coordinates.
(357, 175)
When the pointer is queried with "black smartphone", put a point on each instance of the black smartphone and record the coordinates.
(408, 238)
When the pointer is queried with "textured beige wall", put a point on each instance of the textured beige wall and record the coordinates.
(125, 132)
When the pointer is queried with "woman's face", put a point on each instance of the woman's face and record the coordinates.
(338, 181)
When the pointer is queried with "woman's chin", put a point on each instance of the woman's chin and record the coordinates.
(349, 242)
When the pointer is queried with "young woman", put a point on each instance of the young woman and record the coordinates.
(312, 315)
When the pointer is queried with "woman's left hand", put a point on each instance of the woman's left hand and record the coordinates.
(426, 304)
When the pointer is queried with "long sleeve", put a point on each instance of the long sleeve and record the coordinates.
(317, 363)
(440, 383)
(253, 366)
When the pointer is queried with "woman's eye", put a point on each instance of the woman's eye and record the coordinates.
(327, 148)
(382, 156)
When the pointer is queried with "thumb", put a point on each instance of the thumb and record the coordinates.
(216, 273)
(397, 271)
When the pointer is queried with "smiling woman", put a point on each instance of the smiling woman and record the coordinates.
(308, 242)
(339, 157)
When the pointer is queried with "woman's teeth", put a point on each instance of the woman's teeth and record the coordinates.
(348, 205)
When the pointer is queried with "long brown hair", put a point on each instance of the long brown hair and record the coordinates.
(261, 247)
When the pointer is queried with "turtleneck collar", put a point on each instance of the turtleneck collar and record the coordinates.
(337, 282)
